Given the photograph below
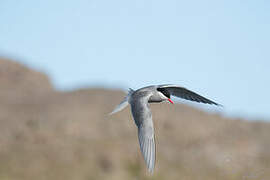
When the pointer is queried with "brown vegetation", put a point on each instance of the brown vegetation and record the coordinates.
(47, 134)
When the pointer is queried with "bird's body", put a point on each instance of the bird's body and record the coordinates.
(139, 101)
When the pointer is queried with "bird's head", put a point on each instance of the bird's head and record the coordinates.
(165, 94)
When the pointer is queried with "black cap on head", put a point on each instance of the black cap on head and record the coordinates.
(165, 92)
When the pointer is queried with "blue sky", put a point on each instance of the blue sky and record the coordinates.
(219, 49)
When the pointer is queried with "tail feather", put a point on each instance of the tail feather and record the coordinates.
(123, 104)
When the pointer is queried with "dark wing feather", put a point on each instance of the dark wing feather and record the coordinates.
(184, 93)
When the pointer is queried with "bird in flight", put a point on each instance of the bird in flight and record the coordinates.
(139, 101)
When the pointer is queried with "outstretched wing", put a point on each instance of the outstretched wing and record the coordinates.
(147, 146)
(143, 119)
(184, 93)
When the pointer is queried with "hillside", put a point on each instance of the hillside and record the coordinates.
(47, 134)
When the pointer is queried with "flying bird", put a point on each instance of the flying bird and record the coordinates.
(139, 101)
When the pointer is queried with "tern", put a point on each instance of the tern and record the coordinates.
(139, 101)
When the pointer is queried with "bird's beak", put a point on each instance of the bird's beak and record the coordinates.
(170, 101)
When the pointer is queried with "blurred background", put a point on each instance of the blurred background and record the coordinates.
(64, 65)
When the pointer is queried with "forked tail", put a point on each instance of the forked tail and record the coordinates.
(124, 103)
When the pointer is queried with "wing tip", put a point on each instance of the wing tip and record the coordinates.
(148, 150)
(151, 170)
(111, 113)
(217, 104)
(220, 105)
